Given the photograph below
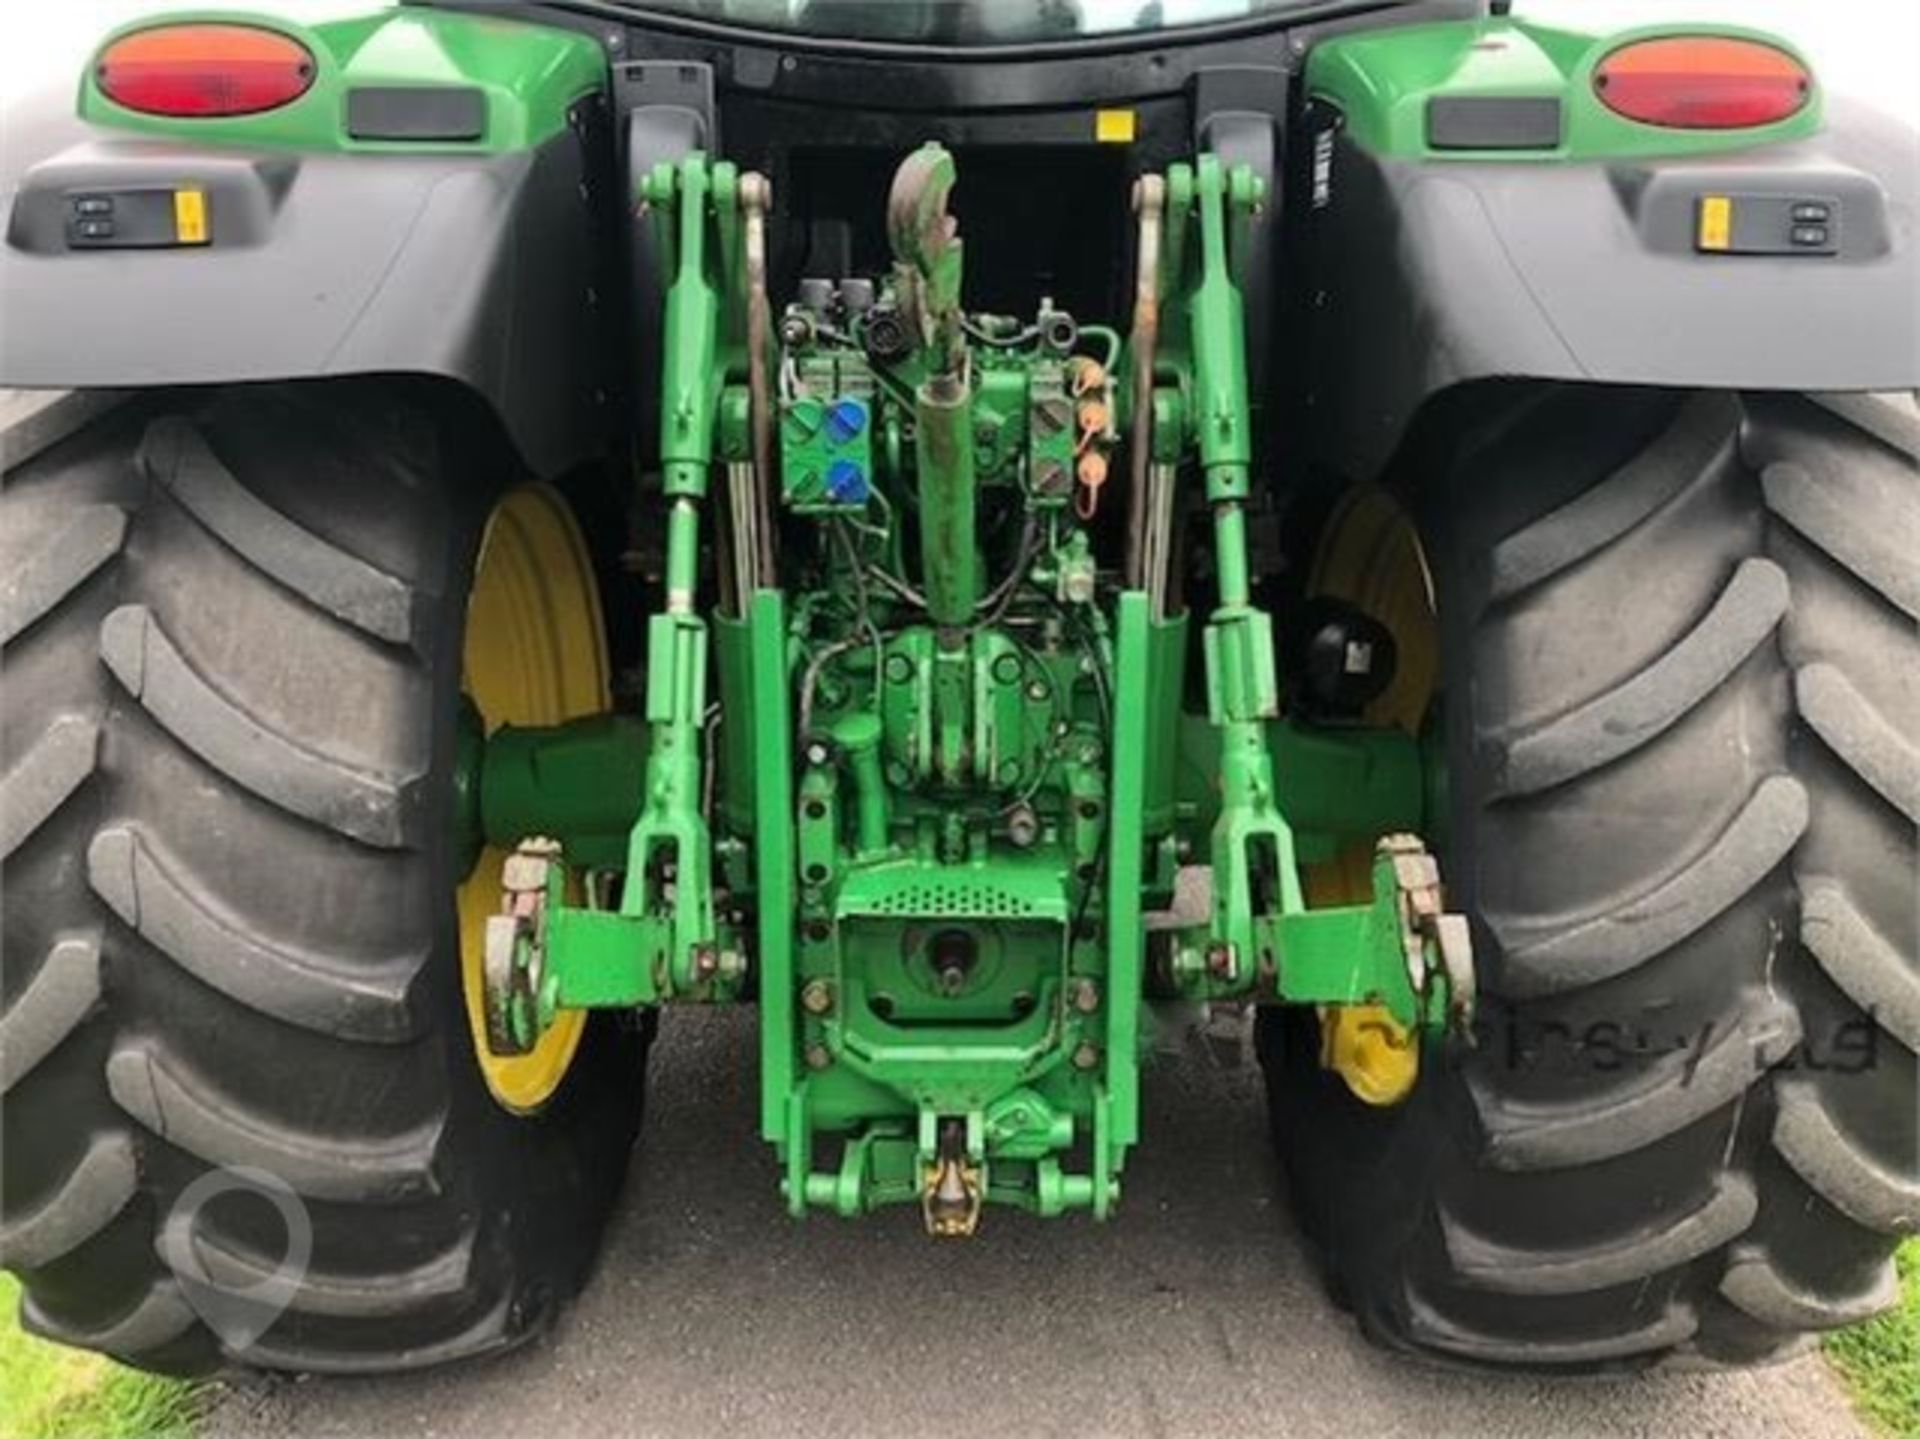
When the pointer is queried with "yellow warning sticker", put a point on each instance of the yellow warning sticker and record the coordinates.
(1113, 127)
(1716, 222)
(190, 217)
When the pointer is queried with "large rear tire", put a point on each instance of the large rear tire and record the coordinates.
(1680, 683)
(233, 638)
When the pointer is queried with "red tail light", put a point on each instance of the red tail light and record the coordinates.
(1703, 82)
(205, 70)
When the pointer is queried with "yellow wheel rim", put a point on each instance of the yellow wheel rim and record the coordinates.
(535, 654)
(1371, 558)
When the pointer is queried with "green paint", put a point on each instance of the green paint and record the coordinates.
(578, 783)
(686, 202)
(927, 267)
(531, 76)
(609, 961)
(943, 458)
(826, 444)
(736, 795)
(950, 788)
(858, 735)
(1250, 847)
(768, 699)
(1340, 956)
(671, 852)
(1126, 941)
(1335, 785)
(1381, 80)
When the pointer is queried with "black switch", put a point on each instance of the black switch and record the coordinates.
(1811, 237)
(1810, 213)
(131, 219)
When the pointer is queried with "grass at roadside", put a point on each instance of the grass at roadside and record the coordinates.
(47, 1392)
(1880, 1362)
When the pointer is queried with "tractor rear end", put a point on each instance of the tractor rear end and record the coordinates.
(982, 544)
(963, 748)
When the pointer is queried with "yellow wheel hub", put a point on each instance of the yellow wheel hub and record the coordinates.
(1371, 558)
(535, 654)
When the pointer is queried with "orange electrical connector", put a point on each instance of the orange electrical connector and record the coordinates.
(1093, 422)
(1092, 474)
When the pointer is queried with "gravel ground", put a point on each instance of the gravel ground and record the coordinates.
(1195, 1312)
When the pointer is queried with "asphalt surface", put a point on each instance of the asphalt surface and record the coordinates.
(1195, 1312)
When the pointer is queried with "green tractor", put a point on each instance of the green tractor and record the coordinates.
(985, 531)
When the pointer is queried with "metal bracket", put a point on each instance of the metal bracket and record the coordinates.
(1438, 946)
(515, 948)
(954, 1177)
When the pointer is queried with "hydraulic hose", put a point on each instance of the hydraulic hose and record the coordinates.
(1149, 201)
